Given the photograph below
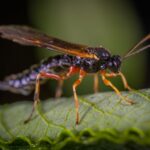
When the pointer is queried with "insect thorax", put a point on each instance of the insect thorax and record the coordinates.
(92, 65)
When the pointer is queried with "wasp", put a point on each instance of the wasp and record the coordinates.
(77, 58)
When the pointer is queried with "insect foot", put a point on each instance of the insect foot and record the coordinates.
(128, 101)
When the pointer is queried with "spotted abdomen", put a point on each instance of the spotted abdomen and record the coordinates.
(24, 83)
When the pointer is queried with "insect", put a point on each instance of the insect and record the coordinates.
(77, 59)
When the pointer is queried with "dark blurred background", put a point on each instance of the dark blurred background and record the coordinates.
(117, 25)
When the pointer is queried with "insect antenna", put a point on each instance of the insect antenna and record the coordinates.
(139, 47)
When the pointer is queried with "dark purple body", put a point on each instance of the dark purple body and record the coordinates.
(24, 82)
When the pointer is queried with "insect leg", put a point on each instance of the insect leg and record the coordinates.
(36, 97)
(125, 83)
(108, 83)
(96, 83)
(76, 83)
(37, 90)
(59, 89)
(72, 71)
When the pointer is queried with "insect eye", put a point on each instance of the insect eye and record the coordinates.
(115, 64)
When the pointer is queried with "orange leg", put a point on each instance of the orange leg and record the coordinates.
(126, 86)
(76, 83)
(59, 89)
(72, 71)
(108, 83)
(37, 90)
(96, 83)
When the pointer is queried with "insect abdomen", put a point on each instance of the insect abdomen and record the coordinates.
(24, 83)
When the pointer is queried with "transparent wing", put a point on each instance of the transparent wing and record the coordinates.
(27, 36)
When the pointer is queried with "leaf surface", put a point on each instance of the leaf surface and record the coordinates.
(102, 117)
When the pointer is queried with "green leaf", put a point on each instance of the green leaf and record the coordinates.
(105, 122)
